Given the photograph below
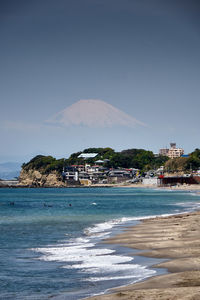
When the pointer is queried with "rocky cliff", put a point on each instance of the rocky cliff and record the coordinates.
(35, 178)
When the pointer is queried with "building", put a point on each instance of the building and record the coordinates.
(173, 152)
(117, 176)
(164, 151)
(70, 174)
(91, 169)
(80, 168)
(87, 155)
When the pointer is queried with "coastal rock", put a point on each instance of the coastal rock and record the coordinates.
(35, 178)
(53, 180)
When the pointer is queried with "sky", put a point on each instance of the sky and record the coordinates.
(140, 56)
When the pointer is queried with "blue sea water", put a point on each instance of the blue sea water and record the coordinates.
(51, 239)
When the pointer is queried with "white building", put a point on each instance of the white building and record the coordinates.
(87, 155)
(173, 152)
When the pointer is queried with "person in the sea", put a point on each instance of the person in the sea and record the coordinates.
(45, 205)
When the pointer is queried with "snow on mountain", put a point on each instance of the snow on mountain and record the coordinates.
(93, 113)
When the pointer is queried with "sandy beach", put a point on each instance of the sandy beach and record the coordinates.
(176, 239)
(184, 187)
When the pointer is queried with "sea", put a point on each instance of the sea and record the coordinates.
(51, 239)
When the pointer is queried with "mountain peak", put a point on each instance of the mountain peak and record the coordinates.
(93, 113)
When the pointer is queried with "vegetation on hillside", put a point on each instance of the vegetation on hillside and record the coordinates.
(131, 158)
(45, 164)
(184, 164)
(193, 162)
(178, 164)
(103, 153)
(136, 158)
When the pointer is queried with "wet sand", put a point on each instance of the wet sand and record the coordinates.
(175, 238)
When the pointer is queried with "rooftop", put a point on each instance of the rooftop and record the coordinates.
(87, 155)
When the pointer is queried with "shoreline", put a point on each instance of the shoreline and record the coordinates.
(161, 233)
(184, 187)
(175, 240)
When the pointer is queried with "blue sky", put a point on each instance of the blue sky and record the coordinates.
(140, 56)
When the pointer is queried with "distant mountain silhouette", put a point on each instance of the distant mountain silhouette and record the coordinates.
(93, 113)
(9, 170)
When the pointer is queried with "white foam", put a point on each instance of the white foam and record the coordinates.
(82, 249)
(137, 276)
(87, 259)
(195, 194)
(71, 254)
(102, 229)
(190, 205)
(103, 262)
(80, 254)
(80, 240)
(101, 234)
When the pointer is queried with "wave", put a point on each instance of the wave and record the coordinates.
(95, 262)
(137, 276)
(189, 206)
(84, 255)
(103, 229)
(104, 263)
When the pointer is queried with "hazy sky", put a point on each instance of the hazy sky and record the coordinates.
(141, 56)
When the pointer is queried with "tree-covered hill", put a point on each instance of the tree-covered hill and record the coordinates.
(45, 164)
(130, 158)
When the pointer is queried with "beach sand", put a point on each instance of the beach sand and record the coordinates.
(183, 187)
(176, 239)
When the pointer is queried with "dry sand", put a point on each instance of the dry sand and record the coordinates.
(181, 187)
(175, 238)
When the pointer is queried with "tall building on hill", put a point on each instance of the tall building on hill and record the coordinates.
(173, 152)
(164, 151)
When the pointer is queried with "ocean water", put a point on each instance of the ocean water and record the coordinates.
(51, 239)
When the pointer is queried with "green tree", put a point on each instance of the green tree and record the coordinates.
(45, 164)
(193, 162)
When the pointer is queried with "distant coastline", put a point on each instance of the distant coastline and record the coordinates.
(192, 187)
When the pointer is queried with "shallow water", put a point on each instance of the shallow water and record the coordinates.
(51, 249)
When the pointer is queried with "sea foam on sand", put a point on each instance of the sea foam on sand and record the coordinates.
(86, 256)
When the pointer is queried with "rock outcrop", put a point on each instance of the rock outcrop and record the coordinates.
(35, 178)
